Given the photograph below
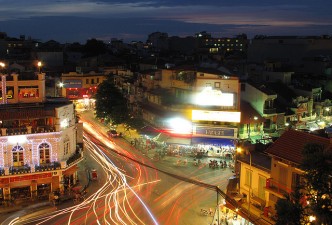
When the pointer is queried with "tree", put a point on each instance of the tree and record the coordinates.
(290, 210)
(110, 103)
(317, 164)
(94, 47)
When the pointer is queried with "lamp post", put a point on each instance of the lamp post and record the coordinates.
(39, 64)
(239, 150)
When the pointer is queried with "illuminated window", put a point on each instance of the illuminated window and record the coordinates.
(217, 84)
(18, 156)
(44, 153)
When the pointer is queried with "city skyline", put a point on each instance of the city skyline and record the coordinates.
(133, 20)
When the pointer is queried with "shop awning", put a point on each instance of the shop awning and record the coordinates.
(212, 141)
(178, 140)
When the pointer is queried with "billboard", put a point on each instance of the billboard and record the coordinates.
(72, 83)
(219, 116)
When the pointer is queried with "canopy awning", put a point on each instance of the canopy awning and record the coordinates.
(212, 141)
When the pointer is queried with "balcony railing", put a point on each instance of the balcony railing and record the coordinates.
(270, 111)
(19, 170)
(48, 166)
(24, 130)
(74, 158)
(276, 187)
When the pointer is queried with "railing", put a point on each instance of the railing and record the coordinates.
(19, 169)
(25, 130)
(74, 158)
(277, 187)
(270, 111)
(48, 166)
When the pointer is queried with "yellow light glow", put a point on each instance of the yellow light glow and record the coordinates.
(180, 126)
(214, 97)
(17, 139)
(221, 116)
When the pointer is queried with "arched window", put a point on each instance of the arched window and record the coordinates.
(44, 153)
(18, 158)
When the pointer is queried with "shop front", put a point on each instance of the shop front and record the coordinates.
(216, 147)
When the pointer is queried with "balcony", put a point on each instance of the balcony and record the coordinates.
(48, 167)
(277, 188)
(74, 159)
(270, 111)
(10, 131)
(19, 170)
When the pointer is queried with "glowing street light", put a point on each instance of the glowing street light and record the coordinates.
(2, 65)
(39, 64)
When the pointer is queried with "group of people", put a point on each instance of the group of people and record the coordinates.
(222, 164)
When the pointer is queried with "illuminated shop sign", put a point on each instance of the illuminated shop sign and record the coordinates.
(220, 132)
(219, 116)
(72, 83)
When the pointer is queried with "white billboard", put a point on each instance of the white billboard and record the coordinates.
(220, 116)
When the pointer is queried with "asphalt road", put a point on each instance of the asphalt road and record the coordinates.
(163, 196)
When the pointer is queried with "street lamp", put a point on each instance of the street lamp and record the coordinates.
(239, 150)
(39, 64)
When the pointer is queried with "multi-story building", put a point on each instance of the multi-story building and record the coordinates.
(286, 158)
(207, 100)
(81, 87)
(41, 141)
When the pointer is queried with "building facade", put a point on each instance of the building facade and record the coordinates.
(39, 149)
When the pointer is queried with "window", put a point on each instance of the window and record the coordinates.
(283, 174)
(92, 81)
(18, 156)
(87, 81)
(248, 177)
(261, 187)
(66, 148)
(217, 84)
(97, 80)
(44, 153)
(296, 180)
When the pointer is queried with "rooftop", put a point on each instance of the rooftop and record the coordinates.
(290, 144)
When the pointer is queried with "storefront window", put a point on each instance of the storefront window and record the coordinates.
(20, 193)
(28, 92)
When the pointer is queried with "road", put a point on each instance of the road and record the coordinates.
(133, 189)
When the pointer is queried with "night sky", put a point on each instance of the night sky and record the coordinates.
(132, 20)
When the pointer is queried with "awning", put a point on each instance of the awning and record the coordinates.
(232, 185)
(212, 141)
(178, 140)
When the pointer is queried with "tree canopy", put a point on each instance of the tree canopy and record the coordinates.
(110, 103)
(313, 196)
(317, 164)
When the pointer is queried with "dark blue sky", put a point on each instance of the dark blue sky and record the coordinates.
(79, 20)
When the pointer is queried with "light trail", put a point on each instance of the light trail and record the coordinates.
(110, 204)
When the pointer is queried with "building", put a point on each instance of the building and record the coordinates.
(41, 141)
(207, 101)
(81, 87)
(286, 158)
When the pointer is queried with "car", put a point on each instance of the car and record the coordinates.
(113, 133)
